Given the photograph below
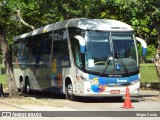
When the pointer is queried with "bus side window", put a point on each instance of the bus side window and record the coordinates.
(46, 43)
(30, 43)
(60, 46)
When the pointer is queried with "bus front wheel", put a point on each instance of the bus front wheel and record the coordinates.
(69, 92)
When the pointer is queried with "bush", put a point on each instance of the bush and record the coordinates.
(151, 51)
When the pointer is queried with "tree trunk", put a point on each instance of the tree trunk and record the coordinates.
(13, 91)
(157, 60)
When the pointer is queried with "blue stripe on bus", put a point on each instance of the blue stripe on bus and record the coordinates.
(98, 84)
(108, 80)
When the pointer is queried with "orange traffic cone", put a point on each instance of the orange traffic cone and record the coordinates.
(127, 101)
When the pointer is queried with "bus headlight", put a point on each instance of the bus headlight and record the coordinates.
(134, 82)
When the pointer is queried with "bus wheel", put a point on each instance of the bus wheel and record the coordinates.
(22, 88)
(69, 92)
(27, 86)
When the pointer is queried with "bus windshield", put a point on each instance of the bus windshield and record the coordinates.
(110, 53)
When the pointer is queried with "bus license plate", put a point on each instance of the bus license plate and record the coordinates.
(115, 91)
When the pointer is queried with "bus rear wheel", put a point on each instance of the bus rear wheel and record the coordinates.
(27, 86)
(69, 92)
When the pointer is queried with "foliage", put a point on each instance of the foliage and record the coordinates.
(151, 51)
(41, 13)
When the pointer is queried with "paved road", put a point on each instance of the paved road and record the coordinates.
(147, 101)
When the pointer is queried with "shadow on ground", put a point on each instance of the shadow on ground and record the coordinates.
(45, 95)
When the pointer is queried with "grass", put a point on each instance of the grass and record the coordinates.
(148, 73)
(3, 80)
(2, 66)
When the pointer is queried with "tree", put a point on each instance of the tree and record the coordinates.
(5, 12)
(8, 64)
(152, 13)
(6, 52)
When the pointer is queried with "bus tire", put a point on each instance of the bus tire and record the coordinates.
(22, 87)
(27, 86)
(69, 92)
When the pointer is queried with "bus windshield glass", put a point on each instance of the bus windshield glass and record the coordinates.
(110, 52)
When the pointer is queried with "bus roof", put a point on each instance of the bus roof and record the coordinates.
(83, 23)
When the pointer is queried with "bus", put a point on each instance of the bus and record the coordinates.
(78, 57)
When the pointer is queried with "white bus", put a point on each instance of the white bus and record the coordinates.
(78, 57)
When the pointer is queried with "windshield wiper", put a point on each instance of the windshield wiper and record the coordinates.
(108, 59)
(123, 65)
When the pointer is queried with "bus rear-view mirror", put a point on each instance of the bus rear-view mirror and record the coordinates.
(144, 45)
(81, 43)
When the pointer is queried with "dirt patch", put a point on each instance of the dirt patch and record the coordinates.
(32, 101)
(149, 92)
(152, 98)
(150, 95)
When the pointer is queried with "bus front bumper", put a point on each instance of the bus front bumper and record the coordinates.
(109, 91)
